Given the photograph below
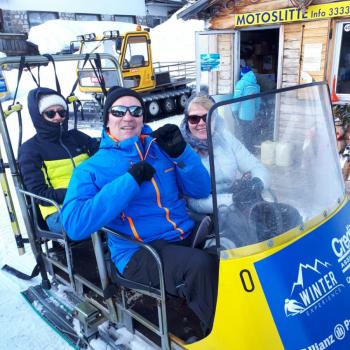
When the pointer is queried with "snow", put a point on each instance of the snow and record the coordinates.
(173, 40)
(20, 327)
(67, 31)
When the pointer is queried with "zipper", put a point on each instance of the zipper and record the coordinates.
(65, 147)
(155, 186)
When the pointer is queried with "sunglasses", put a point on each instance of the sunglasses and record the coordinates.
(51, 114)
(120, 111)
(195, 119)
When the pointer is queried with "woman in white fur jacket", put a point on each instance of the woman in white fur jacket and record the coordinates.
(232, 159)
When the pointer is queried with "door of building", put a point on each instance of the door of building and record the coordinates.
(259, 50)
(215, 60)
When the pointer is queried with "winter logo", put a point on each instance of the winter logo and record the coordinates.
(315, 286)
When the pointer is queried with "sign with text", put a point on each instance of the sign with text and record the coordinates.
(315, 12)
(210, 62)
(312, 57)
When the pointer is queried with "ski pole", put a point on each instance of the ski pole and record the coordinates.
(10, 207)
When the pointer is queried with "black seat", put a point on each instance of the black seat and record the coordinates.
(203, 232)
(137, 61)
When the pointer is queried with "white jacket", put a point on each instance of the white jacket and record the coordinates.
(232, 160)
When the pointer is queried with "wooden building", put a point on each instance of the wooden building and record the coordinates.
(286, 42)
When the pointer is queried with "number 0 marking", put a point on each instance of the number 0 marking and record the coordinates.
(247, 277)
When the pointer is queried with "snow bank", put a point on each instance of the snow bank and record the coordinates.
(55, 35)
(174, 40)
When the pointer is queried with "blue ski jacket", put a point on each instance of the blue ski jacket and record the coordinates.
(103, 193)
(247, 85)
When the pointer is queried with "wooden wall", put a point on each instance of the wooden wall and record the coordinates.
(316, 32)
(296, 36)
(225, 81)
(293, 34)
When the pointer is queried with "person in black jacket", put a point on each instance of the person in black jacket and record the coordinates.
(47, 160)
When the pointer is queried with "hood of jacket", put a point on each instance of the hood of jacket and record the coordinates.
(249, 77)
(45, 129)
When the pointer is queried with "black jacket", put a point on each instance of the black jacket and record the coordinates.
(47, 160)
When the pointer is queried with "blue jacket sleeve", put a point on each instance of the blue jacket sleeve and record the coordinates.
(192, 177)
(87, 208)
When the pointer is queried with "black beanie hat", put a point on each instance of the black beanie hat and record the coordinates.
(113, 94)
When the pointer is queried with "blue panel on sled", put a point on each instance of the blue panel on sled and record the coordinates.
(307, 287)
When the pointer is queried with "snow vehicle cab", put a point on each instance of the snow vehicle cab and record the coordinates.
(284, 284)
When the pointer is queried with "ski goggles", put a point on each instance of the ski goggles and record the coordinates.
(51, 114)
(120, 111)
(195, 119)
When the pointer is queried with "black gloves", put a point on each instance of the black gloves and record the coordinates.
(169, 139)
(142, 171)
(256, 184)
(249, 184)
(247, 192)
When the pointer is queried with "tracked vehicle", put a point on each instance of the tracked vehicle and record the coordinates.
(164, 86)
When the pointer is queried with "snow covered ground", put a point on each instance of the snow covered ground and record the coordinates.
(20, 327)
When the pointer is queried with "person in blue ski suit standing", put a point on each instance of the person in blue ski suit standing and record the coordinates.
(246, 110)
(135, 185)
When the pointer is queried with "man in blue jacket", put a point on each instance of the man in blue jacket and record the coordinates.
(246, 110)
(134, 184)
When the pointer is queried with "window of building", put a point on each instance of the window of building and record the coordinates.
(127, 19)
(36, 18)
(341, 68)
(87, 17)
(156, 22)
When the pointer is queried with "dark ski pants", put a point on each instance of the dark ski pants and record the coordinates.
(248, 134)
(189, 273)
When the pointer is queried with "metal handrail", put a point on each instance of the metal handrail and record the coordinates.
(50, 234)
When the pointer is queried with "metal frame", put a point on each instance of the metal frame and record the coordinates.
(50, 235)
(336, 57)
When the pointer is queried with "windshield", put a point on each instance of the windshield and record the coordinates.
(275, 159)
(100, 46)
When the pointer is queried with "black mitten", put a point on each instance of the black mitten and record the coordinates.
(142, 171)
(247, 192)
(257, 185)
(170, 140)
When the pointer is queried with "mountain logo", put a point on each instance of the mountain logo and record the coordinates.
(315, 286)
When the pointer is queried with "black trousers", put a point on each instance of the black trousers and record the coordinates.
(189, 273)
(248, 134)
